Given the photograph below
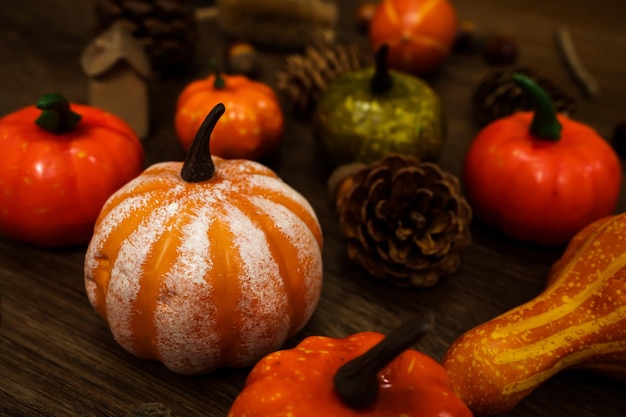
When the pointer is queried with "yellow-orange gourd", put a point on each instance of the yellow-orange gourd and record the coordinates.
(578, 321)
(202, 273)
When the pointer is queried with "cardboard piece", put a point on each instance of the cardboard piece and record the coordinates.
(118, 68)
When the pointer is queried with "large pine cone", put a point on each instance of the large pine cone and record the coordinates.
(306, 75)
(498, 96)
(165, 28)
(404, 220)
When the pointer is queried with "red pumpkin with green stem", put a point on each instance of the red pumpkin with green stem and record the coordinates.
(366, 374)
(539, 176)
(59, 164)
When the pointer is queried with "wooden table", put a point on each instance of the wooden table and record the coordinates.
(57, 357)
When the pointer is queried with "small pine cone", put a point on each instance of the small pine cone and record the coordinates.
(307, 74)
(498, 96)
(165, 28)
(404, 220)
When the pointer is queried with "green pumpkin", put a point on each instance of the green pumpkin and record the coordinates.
(366, 114)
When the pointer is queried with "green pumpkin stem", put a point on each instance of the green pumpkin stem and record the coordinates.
(219, 82)
(545, 124)
(198, 165)
(382, 81)
(356, 382)
(56, 115)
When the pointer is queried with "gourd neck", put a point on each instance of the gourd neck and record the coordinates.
(198, 165)
(56, 116)
(545, 124)
(382, 81)
(356, 382)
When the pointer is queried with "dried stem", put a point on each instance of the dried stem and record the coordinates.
(584, 79)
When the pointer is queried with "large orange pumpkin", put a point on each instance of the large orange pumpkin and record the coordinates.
(206, 264)
(252, 128)
(420, 33)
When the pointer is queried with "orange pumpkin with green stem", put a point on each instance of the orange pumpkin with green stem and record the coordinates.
(59, 163)
(205, 264)
(365, 374)
(540, 176)
(252, 127)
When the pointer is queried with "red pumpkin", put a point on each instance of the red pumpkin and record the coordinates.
(205, 264)
(420, 33)
(59, 164)
(541, 177)
(252, 126)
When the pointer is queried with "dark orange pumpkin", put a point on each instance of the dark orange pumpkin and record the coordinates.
(420, 33)
(252, 126)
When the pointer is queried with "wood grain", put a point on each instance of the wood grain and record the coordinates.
(57, 358)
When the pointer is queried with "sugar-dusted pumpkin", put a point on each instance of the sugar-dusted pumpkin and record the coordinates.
(205, 264)
(59, 162)
(252, 127)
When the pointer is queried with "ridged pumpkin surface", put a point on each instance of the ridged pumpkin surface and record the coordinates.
(209, 274)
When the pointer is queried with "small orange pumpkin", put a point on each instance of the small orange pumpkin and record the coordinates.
(251, 128)
(420, 33)
(206, 264)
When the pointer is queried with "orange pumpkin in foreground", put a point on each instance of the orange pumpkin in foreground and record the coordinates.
(206, 264)
(252, 127)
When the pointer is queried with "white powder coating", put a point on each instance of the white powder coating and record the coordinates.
(303, 240)
(185, 330)
(263, 305)
(183, 324)
(127, 273)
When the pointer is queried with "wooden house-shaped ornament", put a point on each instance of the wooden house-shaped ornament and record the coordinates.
(118, 68)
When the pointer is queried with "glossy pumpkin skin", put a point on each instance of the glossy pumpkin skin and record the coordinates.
(300, 380)
(578, 321)
(537, 190)
(54, 185)
(203, 275)
(252, 126)
(420, 33)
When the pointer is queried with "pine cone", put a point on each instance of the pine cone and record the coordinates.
(166, 28)
(306, 75)
(404, 220)
(498, 96)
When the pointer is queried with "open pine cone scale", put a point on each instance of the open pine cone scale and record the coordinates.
(404, 220)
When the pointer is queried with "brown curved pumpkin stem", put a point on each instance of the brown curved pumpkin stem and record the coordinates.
(382, 81)
(199, 165)
(356, 382)
(56, 115)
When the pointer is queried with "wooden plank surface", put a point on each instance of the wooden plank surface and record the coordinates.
(57, 357)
